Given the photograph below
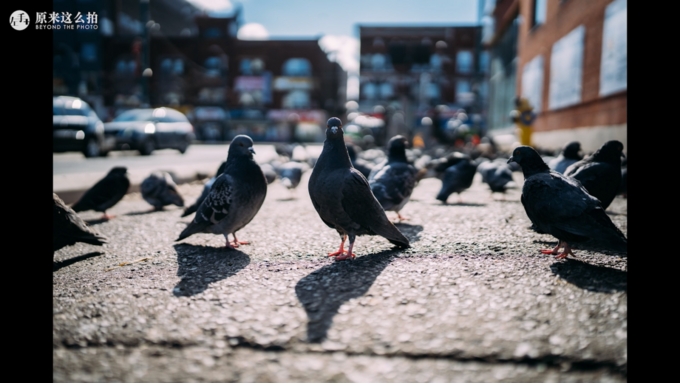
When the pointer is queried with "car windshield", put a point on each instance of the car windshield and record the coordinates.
(135, 115)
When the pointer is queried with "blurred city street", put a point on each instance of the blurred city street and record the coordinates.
(473, 300)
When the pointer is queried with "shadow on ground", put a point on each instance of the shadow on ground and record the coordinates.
(322, 292)
(412, 232)
(594, 278)
(58, 265)
(199, 266)
(96, 221)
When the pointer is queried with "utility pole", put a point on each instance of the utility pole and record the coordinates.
(146, 71)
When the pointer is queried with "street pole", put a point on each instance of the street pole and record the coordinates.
(144, 16)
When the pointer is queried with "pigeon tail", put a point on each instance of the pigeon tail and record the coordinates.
(191, 209)
(192, 229)
(392, 234)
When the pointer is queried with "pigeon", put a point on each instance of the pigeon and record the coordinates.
(393, 182)
(105, 193)
(158, 189)
(206, 190)
(290, 174)
(457, 178)
(234, 198)
(68, 228)
(269, 173)
(359, 164)
(437, 167)
(559, 205)
(342, 196)
(497, 175)
(569, 155)
(600, 173)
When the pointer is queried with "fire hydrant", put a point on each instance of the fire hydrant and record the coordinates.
(523, 116)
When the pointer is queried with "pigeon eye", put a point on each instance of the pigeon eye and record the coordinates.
(241, 144)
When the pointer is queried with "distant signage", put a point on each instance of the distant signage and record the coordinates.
(210, 113)
(290, 83)
(249, 83)
(301, 115)
(532, 82)
(613, 67)
(566, 69)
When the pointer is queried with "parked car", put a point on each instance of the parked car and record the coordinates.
(76, 127)
(149, 129)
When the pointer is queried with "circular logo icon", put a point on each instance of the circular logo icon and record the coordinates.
(19, 20)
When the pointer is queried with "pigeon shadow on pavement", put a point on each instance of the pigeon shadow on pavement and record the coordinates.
(590, 277)
(58, 265)
(410, 231)
(322, 292)
(199, 266)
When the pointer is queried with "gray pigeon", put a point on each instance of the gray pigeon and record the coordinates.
(393, 182)
(269, 173)
(559, 205)
(600, 173)
(206, 190)
(68, 228)
(343, 198)
(105, 193)
(569, 155)
(457, 178)
(158, 189)
(290, 173)
(497, 175)
(234, 198)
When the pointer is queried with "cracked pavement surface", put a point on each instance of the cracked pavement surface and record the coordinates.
(473, 299)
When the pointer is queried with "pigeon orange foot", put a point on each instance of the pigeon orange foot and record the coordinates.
(553, 251)
(567, 251)
(348, 255)
(236, 242)
(107, 216)
(341, 251)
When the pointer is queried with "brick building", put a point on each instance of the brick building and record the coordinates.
(571, 66)
(421, 71)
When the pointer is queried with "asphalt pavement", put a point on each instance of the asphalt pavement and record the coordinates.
(473, 299)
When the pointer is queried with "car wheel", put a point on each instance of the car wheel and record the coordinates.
(91, 148)
(183, 146)
(147, 147)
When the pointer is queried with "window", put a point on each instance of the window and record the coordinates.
(613, 67)
(378, 61)
(566, 69)
(484, 62)
(464, 62)
(251, 66)
(532, 82)
(88, 52)
(125, 66)
(462, 86)
(213, 66)
(299, 67)
(539, 12)
(296, 99)
(386, 91)
(369, 91)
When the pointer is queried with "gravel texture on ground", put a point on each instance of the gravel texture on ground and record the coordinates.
(473, 299)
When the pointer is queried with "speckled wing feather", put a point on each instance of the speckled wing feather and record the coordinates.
(68, 228)
(214, 208)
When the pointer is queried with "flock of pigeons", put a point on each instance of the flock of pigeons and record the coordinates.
(564, 196)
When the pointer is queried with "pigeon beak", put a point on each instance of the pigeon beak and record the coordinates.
(511, 159)
(334, 129)
(250, 149)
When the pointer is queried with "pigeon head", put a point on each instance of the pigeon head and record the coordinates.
(174, 197)
(334, 130)
(610, 152)
(529, 159)
(571, 150)
(397, 148)
(241, 146)
(118, 170)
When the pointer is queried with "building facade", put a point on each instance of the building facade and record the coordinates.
(409, 73)
(226, 86)
(570, 66)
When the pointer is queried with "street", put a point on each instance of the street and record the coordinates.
(472, 300)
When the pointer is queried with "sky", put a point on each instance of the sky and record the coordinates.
(335, 22)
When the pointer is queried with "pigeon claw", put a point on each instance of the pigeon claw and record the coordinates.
(339, 252)
(567, 251)
(107, 216)
(548, 251)
(555, 250)
(345, 256)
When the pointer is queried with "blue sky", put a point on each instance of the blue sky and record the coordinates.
(307, 18)
(337, 21)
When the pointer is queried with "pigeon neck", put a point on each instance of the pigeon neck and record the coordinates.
(534, 168)
(396, 155)
(334, 155)
(608, 158)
